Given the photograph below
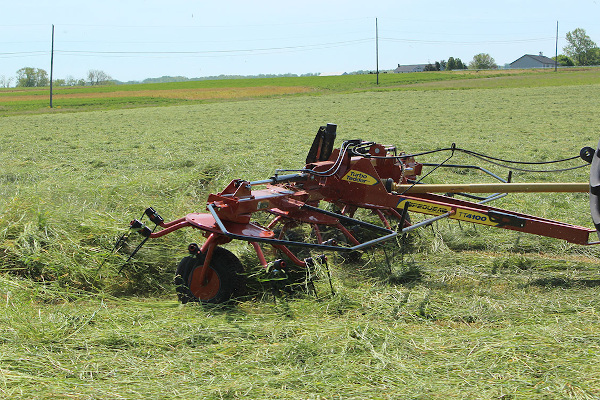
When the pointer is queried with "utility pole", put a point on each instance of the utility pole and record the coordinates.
(556, 51)
(377, 49)
(51, 65)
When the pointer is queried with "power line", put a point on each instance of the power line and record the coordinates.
(263, 50)
(513, 41)
(23, 54)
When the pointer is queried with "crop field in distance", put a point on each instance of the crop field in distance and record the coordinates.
(67, 99)
(451, 311)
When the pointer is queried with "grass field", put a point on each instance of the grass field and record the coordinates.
(17, 101)
(463, 312)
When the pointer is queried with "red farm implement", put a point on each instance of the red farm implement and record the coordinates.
(357, 176)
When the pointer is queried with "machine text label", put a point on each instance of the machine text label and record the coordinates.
(359, 177)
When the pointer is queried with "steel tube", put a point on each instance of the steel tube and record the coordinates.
(390, 233)
(494, 188)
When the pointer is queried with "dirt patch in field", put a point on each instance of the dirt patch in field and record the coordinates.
(183, 94)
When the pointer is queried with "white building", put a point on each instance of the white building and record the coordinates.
(531, 61)
(410, 68)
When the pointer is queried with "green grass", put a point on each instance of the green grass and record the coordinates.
(465, 312)
(13, 103)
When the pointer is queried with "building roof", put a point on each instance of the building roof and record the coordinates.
(541, 59)
(410, 68)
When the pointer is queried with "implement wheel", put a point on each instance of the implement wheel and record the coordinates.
(221, 282)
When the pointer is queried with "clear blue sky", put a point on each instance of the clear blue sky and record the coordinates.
(135, 39)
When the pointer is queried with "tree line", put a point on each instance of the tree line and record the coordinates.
(480, 61)
(37, 77)
(580, 50)
(443, 65)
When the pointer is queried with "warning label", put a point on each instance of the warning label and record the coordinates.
(424, 207)
(359, 177)
(461, 214)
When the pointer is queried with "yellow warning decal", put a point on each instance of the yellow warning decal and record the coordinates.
(461, 214)
(473, 216)
(360, 177)
(424, 207)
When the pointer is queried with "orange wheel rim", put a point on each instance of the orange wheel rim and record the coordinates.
(209, 288)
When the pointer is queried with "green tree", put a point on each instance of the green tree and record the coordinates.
(454, 63)
(581, 48)
(450, 64)
(483, 61)
(594, 56)
(26, 77)
(564, 61)
(32, 77)
(98, 77)
(5, 82)
(459, 64)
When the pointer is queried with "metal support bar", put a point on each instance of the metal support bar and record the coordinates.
(446, 215)
(426, 222)
(388, 233)
(281, 178)
(493, 197)
(494, 188)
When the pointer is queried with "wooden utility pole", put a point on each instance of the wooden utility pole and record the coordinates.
(51, 65)
(556, 52)
(377, 49)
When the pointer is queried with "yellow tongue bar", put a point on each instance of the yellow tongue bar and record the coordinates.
(493, 188)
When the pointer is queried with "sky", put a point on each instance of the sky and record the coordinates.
(137, 39)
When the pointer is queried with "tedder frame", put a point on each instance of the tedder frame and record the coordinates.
(358, 175)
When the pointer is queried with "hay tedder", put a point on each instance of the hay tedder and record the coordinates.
(358, 176)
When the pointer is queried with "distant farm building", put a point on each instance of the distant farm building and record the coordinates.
(531, 61)
(332, 73)
(402, 69)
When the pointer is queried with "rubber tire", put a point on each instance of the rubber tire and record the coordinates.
(224, 278)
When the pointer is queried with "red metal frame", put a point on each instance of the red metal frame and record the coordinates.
(351, 182)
